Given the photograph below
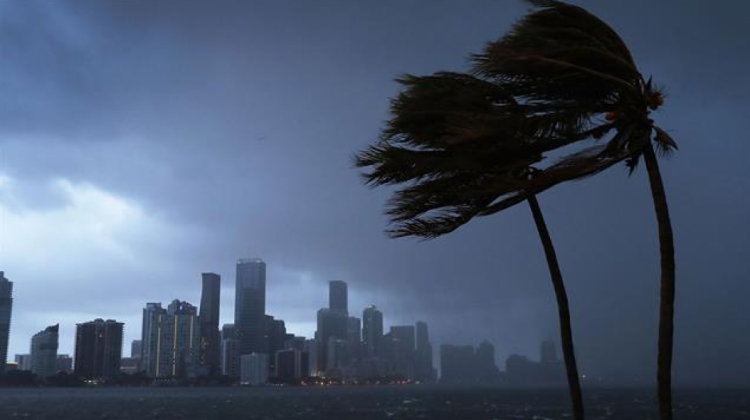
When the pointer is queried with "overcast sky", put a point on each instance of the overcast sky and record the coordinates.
(142, 143)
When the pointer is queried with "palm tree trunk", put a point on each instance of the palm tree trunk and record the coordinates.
(566, 331)
(666, 304)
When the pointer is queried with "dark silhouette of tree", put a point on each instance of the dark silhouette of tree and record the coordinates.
(468, 145)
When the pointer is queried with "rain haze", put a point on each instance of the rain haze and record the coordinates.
(144, 143)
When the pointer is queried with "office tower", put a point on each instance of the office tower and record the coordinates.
(372, 331)
(250, 305)
(486, 368)
(230, 358)
(337, 356)
(400, 347)
(171, 339)
(313, 354)
(254, 369)
(423, 369)
(136, 347)
(290, 365)
(44, 351)
(294, 342)
(354, 337)
(331, 324)
(6, 308)
(23, 361)
(338, 297)
(210, 341)
(98, 349)
(274, 337)
(64, 363)
(548, 351)
(153, 317)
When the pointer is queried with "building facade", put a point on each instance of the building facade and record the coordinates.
(98, 349)
(210, 340)
(250, 306)
(372, 331)
(254, 369)
(338, 297)
(171, 340)
(6, 309)
(44, 346)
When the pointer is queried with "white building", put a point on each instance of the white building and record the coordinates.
(254, 369)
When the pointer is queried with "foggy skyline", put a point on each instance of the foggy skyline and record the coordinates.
(142, 144)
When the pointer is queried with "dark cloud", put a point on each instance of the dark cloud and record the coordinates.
(142, 143)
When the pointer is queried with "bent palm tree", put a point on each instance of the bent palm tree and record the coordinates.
(576, 76)
(473, 145)
(457, 146)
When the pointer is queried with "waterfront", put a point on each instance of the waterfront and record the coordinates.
(361, 403)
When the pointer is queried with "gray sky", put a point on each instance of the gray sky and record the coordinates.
(142, 144)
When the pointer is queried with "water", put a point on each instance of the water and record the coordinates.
(361, 403)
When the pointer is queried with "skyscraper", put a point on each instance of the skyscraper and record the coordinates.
(210, 341)
(354, 337)
(171, 339)
(44, 351)
(136, 347)
(6, 307)
(98, 349)
(423, 369)
(230, 359)
(331, 325)
(338, 299)
(372, 331)
(250, 306)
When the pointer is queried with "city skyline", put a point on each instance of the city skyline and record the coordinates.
(166, 141)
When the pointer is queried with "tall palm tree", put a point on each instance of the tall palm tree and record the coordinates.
(453, 140)
(574, 73)
(473, 145)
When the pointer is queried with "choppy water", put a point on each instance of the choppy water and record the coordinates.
(361, 403)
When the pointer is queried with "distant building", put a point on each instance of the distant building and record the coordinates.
(254, 369)
(23, 361)
(291, 365)
(331, 324)
(98, 349)
(338, 299)
(313, 353)
(44, 351)
(337, 356)
(274, 336)
(171, 340)
(423, 368)
(136, 348)
(372, 331)
(64, 363)
(549, 371)
(250, 306)
(230, 357)
(6, 308)
(130, 365)
(401, 346)
(210, 340)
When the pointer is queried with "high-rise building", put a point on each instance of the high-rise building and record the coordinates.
(338, 300)
(250, 306)
(400, 350)
(23, 361)
(6, 308)
(423, 369)
(230, 357)
(210, 341)
(354, 337)
(136, 349)
(331, 324)
(275, 335)
(64, 363)
(313, 354)
(372, 331)
(171, 340)
(457, 364)
(290, 365)
(98, 349)
(254, 369)
(44, 351)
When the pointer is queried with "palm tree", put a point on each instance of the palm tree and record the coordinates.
(572, 72)
(453, 139)
(472, 145)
